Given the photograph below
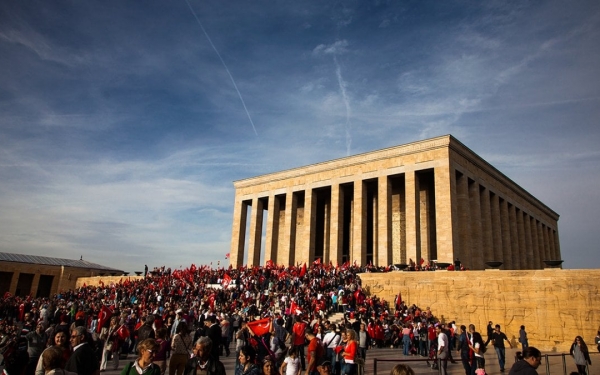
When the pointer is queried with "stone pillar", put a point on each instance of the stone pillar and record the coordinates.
(475, 242)
(384, 222)
(536, 244)
(486, 223)
(306, 248)
(424, 223)
(541, 243)
(556, 245)
(35, 284)
(272, 237)
(289, 232)
(238, 236)
(464, 252)
(256, 221)
(445, 204)
(412, 217)
(359, 224)
(529, 249)
(523, 252)
(506, 250)
(514, 237)
(14, 281)
(496, 228)
(547, 250)
(337, 227)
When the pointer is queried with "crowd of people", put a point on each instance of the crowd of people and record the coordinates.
(182, 321)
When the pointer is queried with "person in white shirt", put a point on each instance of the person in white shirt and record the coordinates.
(442, 349)
(330, 341)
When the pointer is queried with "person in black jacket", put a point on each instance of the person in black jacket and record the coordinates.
(146, 331)
(203, 361)
(214, 333)
(532, 358)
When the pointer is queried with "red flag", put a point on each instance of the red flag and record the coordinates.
(226, 281)
(227, 256)
(421, 261)
(103, 316)
(260, 327)
(317, 262)
(123, 332)
(269, 264)
(398, 300)
(303, 271)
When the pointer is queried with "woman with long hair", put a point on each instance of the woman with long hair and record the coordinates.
(60, 340)
(581, 355)
(350, 351)
(110, 337)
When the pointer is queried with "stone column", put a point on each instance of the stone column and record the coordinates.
(531, 261)
(514, 237)
(35, 283)
(238, 236)
(412, 217)
(305, 250)
(289, 232)
(359, 221)
(506, 249)
(256, 221)
(486, 223)
(271, 240)
(337, 227)
(464, 252)
(475, 242)
(556, 245)
(536, 244)
(523, 253)
(14, 281)
(445, 198)
(496, 228)
(547, 250)
(384, 222)
(424, 223)
(541, 243)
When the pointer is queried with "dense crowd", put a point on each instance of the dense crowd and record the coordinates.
(278, 317)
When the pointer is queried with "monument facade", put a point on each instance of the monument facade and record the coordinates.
(431, 200)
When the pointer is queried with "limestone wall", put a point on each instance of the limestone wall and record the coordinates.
(555, 305)
(107, 280)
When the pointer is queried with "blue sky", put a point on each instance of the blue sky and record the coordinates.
(123, 124)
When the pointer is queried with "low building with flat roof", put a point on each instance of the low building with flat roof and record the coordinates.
(40, 276)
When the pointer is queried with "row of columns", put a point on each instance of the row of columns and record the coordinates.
(432, 214)
(290, 237)
(494, 229)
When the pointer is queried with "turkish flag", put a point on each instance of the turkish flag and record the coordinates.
(123, 332)
(103, 316)
(226, 281)
(260, 327)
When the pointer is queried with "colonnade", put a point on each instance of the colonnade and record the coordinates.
(391, 219)
(432, 200)
(494, 228)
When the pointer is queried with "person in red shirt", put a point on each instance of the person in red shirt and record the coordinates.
(315, 353)
(350, 351)
(298, 332)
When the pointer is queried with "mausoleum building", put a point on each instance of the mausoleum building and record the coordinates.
(434, 200)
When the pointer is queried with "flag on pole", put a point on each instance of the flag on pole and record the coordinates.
(226, 281)
(260, 327)
(398, 301)
(303, 271)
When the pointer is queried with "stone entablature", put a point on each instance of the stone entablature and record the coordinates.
(554, 305)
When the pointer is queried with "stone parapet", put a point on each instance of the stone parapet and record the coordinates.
(107, 280)
(554, 305)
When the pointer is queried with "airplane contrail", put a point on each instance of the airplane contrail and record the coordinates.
(224, 65)
(342, 84)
